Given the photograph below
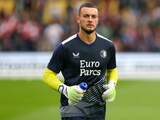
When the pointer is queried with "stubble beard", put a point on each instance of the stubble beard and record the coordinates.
(88, 31)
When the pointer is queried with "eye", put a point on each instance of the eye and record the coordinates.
(94, 16)
(90, 16)
(86, 16)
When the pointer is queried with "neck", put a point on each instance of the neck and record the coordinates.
(87, 38)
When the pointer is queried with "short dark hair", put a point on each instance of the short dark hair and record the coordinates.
(87, 4)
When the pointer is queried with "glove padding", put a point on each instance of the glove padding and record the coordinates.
(73, 94)
(109, 94)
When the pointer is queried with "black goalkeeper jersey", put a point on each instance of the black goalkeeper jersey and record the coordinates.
(81, 62)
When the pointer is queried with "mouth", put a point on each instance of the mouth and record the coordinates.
(90, 25)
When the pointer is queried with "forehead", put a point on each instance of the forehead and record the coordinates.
(88, 10)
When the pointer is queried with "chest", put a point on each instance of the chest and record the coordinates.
(88, 58)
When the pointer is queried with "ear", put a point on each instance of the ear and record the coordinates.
(78, 19)
(97, 22)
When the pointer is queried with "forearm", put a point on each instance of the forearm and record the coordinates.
(51, 79)
(112, 75)
(110, 92)
(71, 92)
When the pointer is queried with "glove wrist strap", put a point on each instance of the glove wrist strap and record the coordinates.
(112, 83)
(63, 89)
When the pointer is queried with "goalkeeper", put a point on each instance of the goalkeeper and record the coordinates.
(84, 57)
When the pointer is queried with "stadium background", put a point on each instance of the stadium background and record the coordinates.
(29, 32)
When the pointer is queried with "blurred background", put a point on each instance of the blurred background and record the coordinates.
(30, 30)
(39, 25)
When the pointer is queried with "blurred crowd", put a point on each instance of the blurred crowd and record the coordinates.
(40, 25)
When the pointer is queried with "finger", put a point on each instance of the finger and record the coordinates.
(76, 99)
(105, 86)
(107, 92)
(112, 98)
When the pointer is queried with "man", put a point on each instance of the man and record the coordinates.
(84, 57)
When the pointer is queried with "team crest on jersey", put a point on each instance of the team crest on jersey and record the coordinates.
(103, 53)
(75, 55)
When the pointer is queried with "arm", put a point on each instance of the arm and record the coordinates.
(112, 75)
(110, 92)
(71, 92)
(51, 79)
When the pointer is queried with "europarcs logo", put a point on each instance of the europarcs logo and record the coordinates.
(88, 68)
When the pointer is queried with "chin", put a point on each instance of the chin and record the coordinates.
(88, 31)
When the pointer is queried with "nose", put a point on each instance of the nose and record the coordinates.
(90, 18)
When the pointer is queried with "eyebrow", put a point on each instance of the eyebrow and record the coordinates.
(86, 14)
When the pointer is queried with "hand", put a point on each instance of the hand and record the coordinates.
(109, 94)
(73, 94)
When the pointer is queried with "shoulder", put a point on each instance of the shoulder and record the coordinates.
(104, 40)
(69, 40)
(65, 45)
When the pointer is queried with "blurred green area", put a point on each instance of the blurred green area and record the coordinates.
(136, 100)
(27, 100)
(32, 100)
